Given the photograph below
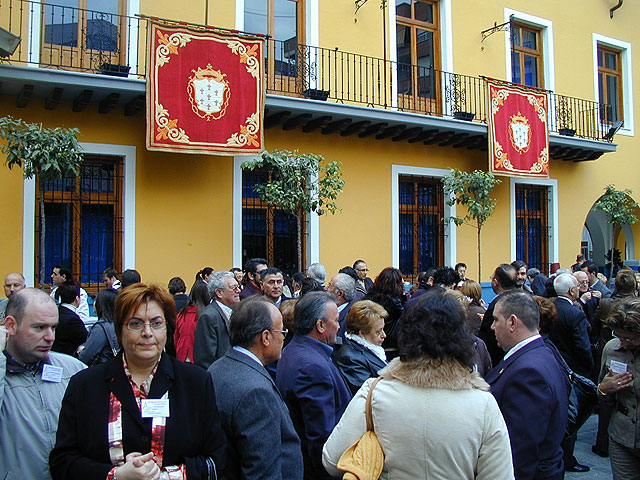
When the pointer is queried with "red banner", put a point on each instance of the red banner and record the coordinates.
(205, 92)
(517, 130)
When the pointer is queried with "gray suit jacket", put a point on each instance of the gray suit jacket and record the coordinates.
(211, 337)
(262, 442)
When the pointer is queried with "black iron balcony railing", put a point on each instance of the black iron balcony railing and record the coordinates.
(112, 44)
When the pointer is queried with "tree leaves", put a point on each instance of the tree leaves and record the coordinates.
(618, 206)
(472, 190)
(49, 153)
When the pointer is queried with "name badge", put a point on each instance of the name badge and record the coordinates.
(155, 408)
(51, 373)
(618, 367)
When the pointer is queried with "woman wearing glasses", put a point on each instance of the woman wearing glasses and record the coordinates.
(142, 415)
(619, 387)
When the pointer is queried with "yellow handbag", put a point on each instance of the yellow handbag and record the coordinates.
(364, 460)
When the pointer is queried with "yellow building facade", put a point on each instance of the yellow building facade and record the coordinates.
(392, 73)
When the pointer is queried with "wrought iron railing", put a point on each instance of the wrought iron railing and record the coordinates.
(112, 44)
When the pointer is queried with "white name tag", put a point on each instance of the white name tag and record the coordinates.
(155, 408)
(618, 367)
(51, 373)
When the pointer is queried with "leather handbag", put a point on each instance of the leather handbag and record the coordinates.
(364, 460)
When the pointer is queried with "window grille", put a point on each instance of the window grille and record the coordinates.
(532, 226)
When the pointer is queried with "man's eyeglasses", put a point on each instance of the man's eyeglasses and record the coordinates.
(137, 325)
(283, 332)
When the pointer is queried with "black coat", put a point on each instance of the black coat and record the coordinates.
(193, 431)
(357, 364)
(570, 335)
(70, 332)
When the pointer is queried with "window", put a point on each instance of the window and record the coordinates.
(283, 20)
(526, 53)
(267, 232)
(421, 229)
(83, 221)
(532, 225)
(84, 33)
(417, 49)
(610, 84)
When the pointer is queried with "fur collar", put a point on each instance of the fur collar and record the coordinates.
(431, 373)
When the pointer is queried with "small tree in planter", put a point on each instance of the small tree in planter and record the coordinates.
(473, 191)
(619, 208)
(47, 153)
(293, 186)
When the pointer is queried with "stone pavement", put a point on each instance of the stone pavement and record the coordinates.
(600, 467)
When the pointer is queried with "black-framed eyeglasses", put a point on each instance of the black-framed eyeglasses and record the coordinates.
(137, 325)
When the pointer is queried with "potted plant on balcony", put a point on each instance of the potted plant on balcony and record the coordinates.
(564, 118)
(459, 96)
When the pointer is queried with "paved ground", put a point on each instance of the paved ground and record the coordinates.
(600, 467)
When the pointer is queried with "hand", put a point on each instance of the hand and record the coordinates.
(3, 337)
(596, 293)
(586, 296)
(139, 467)
(613, 383)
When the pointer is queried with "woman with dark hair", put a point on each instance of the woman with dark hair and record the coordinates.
(388, 292)
(434, 415)
(101, 344)
(187, 319)
(110, 428)
(204, 275)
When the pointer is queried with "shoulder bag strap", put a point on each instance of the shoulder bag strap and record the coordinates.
(368, 413)
(113, 343)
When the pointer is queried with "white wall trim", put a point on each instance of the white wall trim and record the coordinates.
(128, 153)
(35, 26)
(239, 18)
(627, 78)
(313, 234)
(133, 8)
(547, 45)
(552, 184)
(450, 243)
(311, 23)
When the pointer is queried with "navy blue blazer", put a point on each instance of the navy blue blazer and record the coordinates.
(316, 395)
(570, 334)
(532, 391)
(262, 442)
(357, 363)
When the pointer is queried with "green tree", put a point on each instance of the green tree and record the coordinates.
(46, 153)
(619, 208)
(473, 191)
(300, 183)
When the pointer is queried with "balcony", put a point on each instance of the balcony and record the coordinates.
(84, 56)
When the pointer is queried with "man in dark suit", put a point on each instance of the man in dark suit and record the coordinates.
(503, 279)
(252, 270)
(570, 334)
(70, 332)
(272, 281)
(360, 266)
(344, 289)
(262, 442)
(212, 331)
(531, 389)
(595, 284)
(311, 385)
(538, 281)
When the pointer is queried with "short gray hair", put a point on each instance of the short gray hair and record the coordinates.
(217, 281)
(309, 309)
(563, 283)
(533, 272)
(317, 272)
(346, 285)
(249, 319)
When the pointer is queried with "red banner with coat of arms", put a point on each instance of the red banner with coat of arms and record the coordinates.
(517, 130)
(205, 92)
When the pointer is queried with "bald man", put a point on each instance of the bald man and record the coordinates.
(14, 282)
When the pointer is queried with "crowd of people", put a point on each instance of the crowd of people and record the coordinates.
(258, 374)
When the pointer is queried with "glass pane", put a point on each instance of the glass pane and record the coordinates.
(97, 177)
(529, 39)
(96, 251)
(61, 23)
(531, 71)
(66, 184)
(520, 240)
(403, 50)
(406, 193)
(102, 25)
(612, 98)
(254, 233)
(611, 60)
(600, 58)
(251, 179)
(516, 75)
(285, 242)
(286, 36)
(515, 36)
(427, 195)
(428, 241)
(424, 42)
(58, 236)
(535, 239)
(403, 8)
(424, 12)
(406, 243)
(255, 16)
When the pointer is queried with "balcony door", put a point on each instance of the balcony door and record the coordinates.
(417, 49)
(85, 35)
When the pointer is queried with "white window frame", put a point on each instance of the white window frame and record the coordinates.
(313, 234)
(450, 247)
(546, 32)
(552, 221)
(627, 78)
(128, 153)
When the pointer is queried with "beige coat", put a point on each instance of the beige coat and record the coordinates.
(434, 420)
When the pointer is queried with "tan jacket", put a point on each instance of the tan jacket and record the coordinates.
(434, 420)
